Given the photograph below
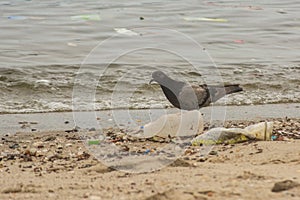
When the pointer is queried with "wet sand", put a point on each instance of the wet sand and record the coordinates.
(57, 165)
(65, 120)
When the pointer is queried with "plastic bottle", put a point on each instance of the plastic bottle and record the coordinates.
(260, 131)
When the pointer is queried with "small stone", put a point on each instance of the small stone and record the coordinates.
(27, 166)
(95, 198)
(69, 145)
(180, 163)
(38, 145)
(202, 159)
(284, 185)
(23, 122)
(15, 189)
(60, 146)
(37, 169)
(213, 153)
(32, 151)
(142, 18)
(14, 146)
(86, 195)
(259, 151)
(51, 138)
(82, 155)
(24, 126)
(186, 158)
(58, 151)
(188, 152)
(125, 148)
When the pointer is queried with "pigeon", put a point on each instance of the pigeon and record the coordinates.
(191, 97)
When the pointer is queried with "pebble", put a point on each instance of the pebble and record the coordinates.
(284, 185)
(50, 138)
(14, 146)
(213, 153)
(24, 122)
(38, 144)
(15, 189)
(27, 166)
(32, 151)
(95, 198)
(202, 159)
(69, 145)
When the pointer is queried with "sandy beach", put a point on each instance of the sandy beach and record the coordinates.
(57, 165)
(75, 81)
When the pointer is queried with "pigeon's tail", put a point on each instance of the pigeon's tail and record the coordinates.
(229, 89)
(217, 92)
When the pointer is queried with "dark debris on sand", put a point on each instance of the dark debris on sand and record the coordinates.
(50, 152)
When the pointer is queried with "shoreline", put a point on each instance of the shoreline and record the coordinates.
(59, 121)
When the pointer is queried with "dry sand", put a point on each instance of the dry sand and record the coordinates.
(57, 165)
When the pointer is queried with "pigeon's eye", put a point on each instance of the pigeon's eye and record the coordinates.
(161, 75)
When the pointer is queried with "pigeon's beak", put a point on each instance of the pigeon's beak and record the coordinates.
(151, 81)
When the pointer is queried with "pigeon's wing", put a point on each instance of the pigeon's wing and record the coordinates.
(193, 97)
(216, 92)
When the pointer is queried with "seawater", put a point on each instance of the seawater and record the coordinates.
(44, 44)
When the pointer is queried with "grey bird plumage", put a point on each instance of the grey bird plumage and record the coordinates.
(191, 97)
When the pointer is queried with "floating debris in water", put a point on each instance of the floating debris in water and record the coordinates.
(239, 41)
(205, 19)
(16, 17)
(72, 44)
(125, 31)
(281, 11)
(86, 17)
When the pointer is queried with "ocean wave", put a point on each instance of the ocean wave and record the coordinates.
(50, 88)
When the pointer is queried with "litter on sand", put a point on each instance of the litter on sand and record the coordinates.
(260, 131)
(187, 123)
(205, 19)
(93, 142)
